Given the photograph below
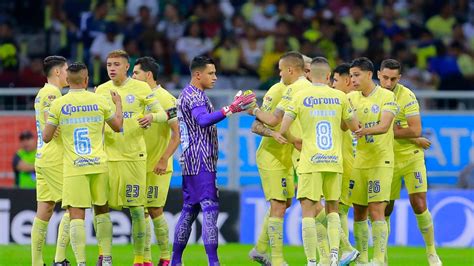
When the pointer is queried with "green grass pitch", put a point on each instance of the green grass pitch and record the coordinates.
(234, 254)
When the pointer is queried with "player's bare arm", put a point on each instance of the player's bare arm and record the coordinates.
(381, 128)
(48, 132)
(116, 122)
(412, 131)
(260, 129)
(271, 119)
(162, 164)
(421, 142)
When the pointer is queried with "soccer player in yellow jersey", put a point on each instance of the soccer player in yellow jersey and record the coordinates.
(373, 165)
(409, 158)
(275, 168)
(342, 81)
(321, 111)
(126, 150)
(162, 140)
(48, 166)
(81, 115)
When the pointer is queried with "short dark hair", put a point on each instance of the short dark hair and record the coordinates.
(342, 69)
(363, 63)
(295, 58)
(76, 67)
(319, 60)
(74, 73)
(26, 135)
(391, 64)
(53, 61)
(148, 63)
(200, 62)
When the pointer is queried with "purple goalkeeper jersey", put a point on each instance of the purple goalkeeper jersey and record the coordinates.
(199, 144)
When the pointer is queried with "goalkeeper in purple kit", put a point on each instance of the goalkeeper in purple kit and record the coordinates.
(197, 125)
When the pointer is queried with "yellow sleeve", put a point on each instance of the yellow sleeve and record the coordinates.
(108, 112)
(285, 100)
(390, 104)
(53, 114)
(292, 109)
(48, 99)
(267, 102)
(347, 112)
(411, 106)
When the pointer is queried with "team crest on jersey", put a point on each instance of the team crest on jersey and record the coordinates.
(366, 110)
(375, 109)
(37, 99)
(268, 98)
(130, 98)
(51, 97)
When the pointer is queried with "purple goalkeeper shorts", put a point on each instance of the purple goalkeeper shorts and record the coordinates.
(197, 188)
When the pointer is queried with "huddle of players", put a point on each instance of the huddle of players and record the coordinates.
(81, 162)
(341, 142)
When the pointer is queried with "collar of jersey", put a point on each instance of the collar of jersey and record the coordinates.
(54, 86)
(372, 92)
(123, 84)
(76, 90)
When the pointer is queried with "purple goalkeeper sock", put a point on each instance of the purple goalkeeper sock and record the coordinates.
(210, 211)
(182, 231)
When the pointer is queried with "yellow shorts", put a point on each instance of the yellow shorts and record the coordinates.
(157, 189)
(313, 185)
(49, 183)
(370, 185)
(345, 191)
(81, 191)
(277, 184)
(127, 184)
(414, 174)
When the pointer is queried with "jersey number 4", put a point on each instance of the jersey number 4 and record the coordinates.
(82, 142)
(324, 135)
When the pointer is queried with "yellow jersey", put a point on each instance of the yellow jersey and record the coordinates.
(272, 155)
(349, 143)
(403, 149)
(295, 128)
(137, 99)
(47, 154)
(158, 135)
(320, 111)
(374, 150)
(81, 115)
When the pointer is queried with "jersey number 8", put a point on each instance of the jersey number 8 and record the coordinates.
(324, 135)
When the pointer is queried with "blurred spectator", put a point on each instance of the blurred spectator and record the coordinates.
(466, 177)
(227, 55)
(299, 24)
(134, 6)
(171, 26)
(131, 47)
(32, 75)
(425, 49)
(357, 26)
(282, 30)
(270, 59)
(212, 24)
(390, 26)
(465, 64)
(24, 162)
(267, 19)
(251, 49)
(93, 23)
(445, 66)
(441, 25)
(106, 42)
(238, 26)
(9, 52)
(192, 44)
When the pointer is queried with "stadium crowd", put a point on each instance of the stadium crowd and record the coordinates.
(434, 40)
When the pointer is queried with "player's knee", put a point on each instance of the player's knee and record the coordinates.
(101, 209)
(389, 208)
(45, 210)
(155, 212)
(418, 203)
(377, 211)
(360, 212)
(277, 208)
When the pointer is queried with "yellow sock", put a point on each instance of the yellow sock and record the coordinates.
(101, 253)
(147, 251)
(308, 229)
(138, 232)
(162, 236)
(387, 220)
(361, 235)
(334, 224)
(322, 238)
(379, 235)
(262, 241)
(38, 235)
(343, 210)
(275, 236)
(78, 240)
(425, 224)
(104, 233)
(63, 238)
